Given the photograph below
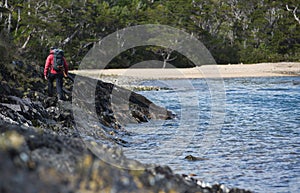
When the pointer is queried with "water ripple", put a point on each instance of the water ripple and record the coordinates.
(259, 144)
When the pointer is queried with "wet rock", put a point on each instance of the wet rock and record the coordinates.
(11, 140)
(42, 150)
(194, 158)
(9, 114)
(22, 111)
(72, 167)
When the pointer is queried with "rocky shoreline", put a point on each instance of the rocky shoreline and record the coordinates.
(42, 149)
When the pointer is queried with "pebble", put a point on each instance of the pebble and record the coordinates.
(24, 157)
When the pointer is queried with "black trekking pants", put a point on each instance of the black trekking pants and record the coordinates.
(59, 85)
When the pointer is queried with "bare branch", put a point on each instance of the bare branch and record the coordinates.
(68, 39)
(294, 13)
(26, 42)
(28, 39)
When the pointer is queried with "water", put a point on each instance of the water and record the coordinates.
(256, 147)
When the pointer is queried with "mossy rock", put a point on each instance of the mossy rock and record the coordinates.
(11, 140)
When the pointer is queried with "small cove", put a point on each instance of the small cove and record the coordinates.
(257, 146)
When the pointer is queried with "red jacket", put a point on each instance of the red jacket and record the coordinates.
(50, 63)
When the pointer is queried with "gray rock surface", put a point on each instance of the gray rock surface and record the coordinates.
(42, 149)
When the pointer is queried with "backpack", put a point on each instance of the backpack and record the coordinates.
(58, 62)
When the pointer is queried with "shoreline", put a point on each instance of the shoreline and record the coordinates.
(205, 71)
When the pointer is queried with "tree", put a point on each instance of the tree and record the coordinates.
(234, 31)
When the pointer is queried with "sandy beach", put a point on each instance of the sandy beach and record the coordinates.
(205, 71)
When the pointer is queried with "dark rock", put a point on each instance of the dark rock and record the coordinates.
(43, 150)
(193, 158)
(50, 102)
(5, 89)
(18, 63)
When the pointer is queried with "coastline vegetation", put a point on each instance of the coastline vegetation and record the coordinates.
(233, 31)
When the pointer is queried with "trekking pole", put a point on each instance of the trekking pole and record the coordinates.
(65, 75)
(68, 75)
(64, 72)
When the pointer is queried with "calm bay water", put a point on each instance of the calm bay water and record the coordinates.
(257, 147)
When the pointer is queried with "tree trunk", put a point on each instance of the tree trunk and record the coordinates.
(9, 17)
(28, 39)
(9, 23)
(166, 57)
(29, 12)
(18, 21)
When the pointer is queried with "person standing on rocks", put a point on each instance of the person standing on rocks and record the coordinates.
(56, 67)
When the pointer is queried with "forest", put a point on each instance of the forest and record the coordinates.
(234, 31)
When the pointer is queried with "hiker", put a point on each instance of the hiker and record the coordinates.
(56, 67)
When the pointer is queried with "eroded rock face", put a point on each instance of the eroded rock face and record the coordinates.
(113, 101)
(43, 149)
